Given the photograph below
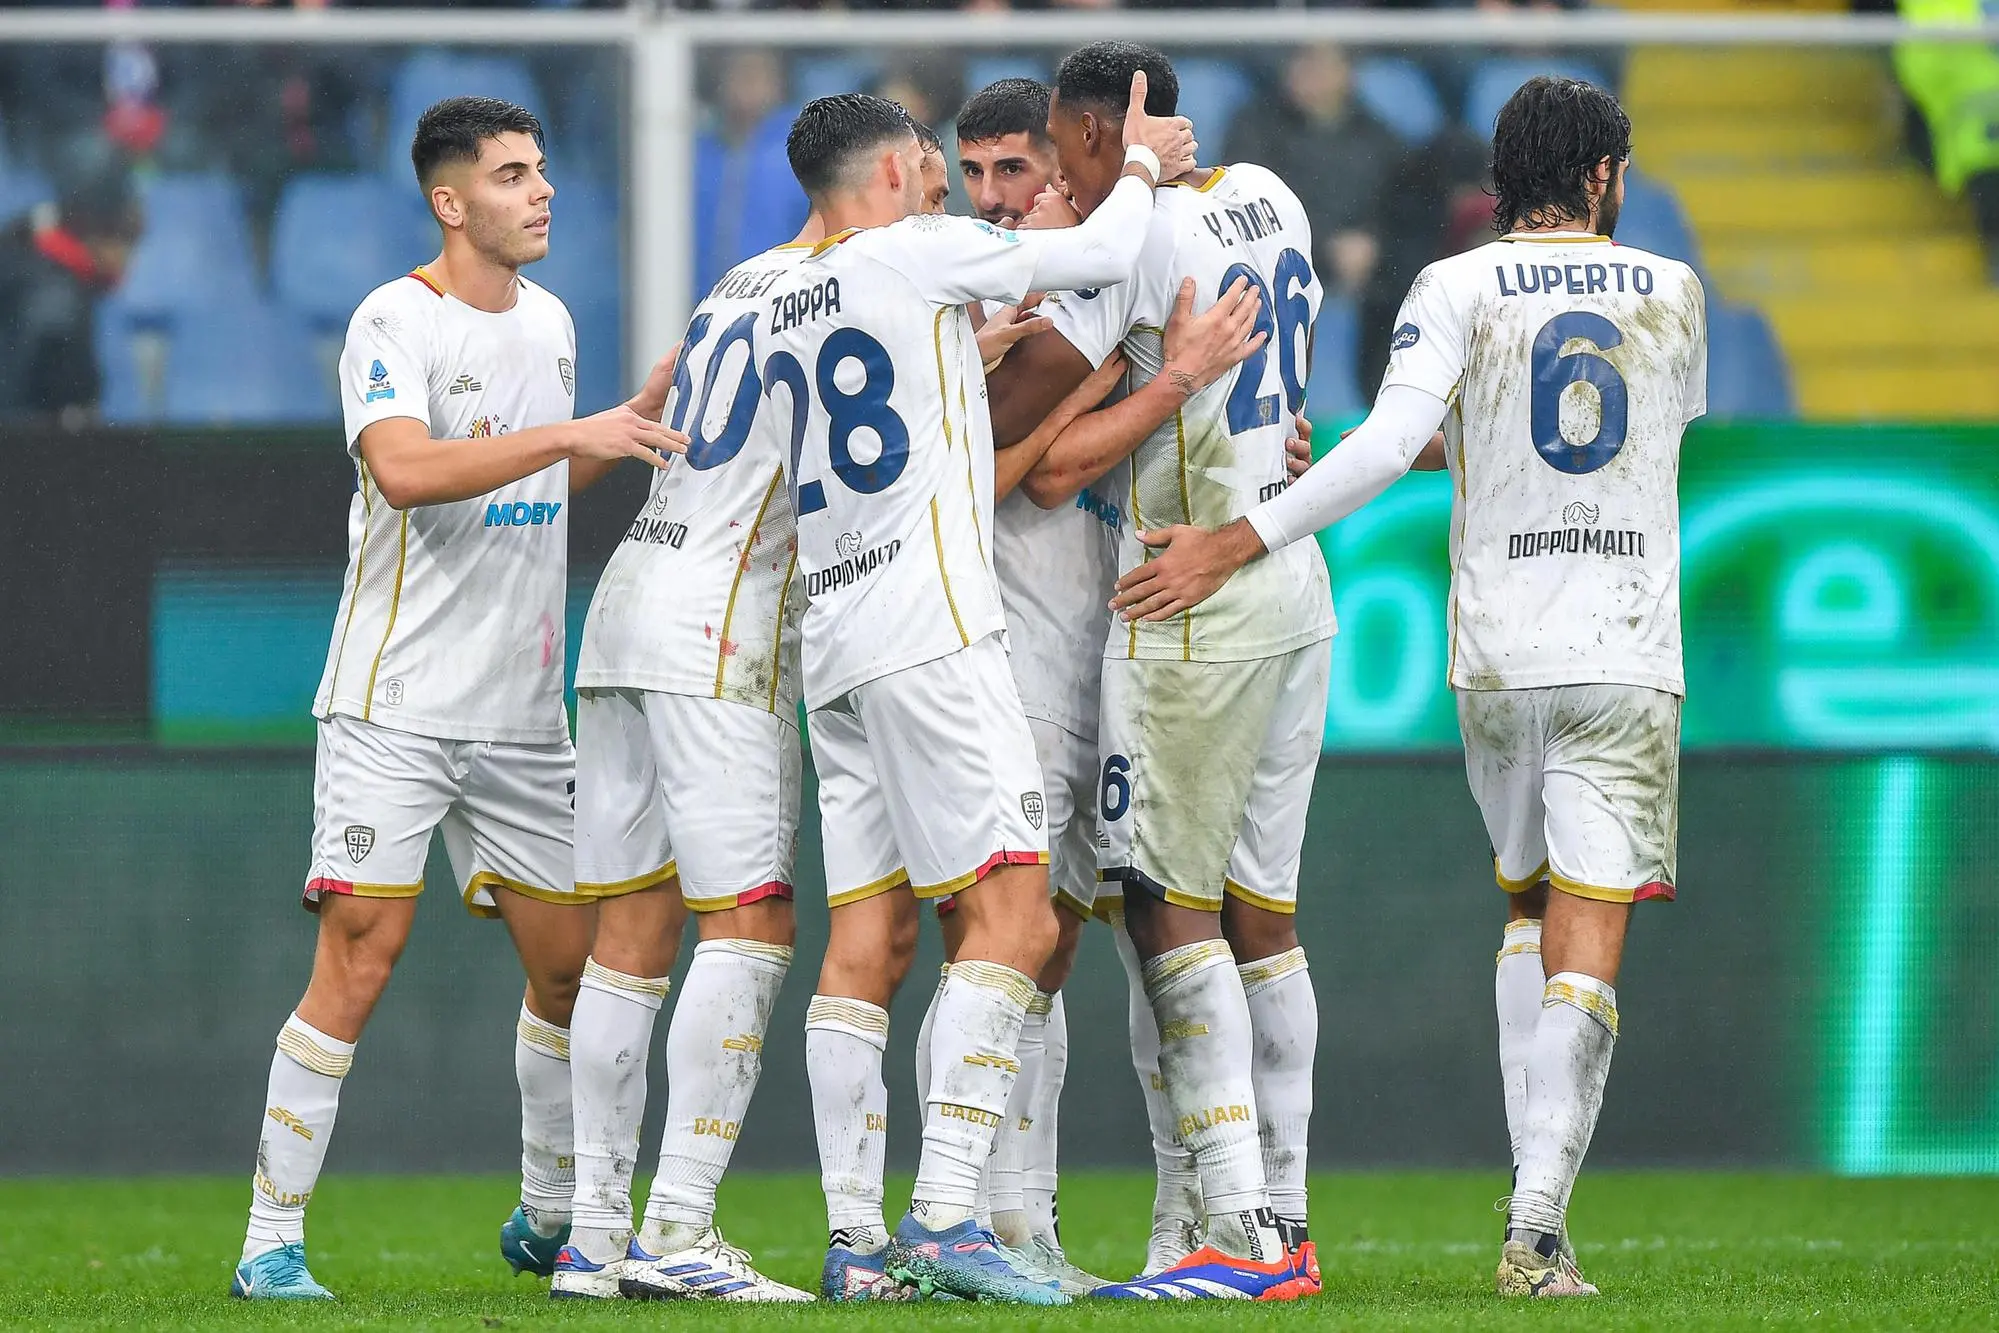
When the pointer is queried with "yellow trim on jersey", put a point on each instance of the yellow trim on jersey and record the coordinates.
(1214, 179)
(395, 605)
(1137, 525)
(1109, 910)
(795, 245)
(1186, 516)
(895, 879)
(1519, 885)
(834, 240)
(1457, 553)
(1188, 900)
(360, 565)
(964, 431)
(736, 584)
(486, 879)
(971, 482)
(618, 888)
(1556, 238)
(355, 890)
(1597, 892)
(777, 637)
(1075, 906)
(1255, 899)
(937, 540)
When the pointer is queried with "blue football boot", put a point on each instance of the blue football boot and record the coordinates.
(962, 1261)
(277, 1275)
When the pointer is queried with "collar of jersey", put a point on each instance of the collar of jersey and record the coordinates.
(422, 274)
(1214, 179)
(1557, 237)
(835, 239)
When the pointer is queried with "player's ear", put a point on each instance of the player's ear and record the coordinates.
(446, 207)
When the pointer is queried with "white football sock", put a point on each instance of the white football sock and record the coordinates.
(1204, 1057)
(610, 1040)
(714, 1053)
(1565, 1077)
(548, 1123)
(1006, 1174)
(299, 1106)
(972, 1072)
(1517, 983)
(923, 1032)
(1039, 1177)
(844, 1040)
(1176, 1189)
(1284, 1015)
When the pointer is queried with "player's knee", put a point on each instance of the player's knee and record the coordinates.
(555, 990)
(767, 921)
(1530, 904)
(1256, 932)
(899, 946)
(1062, 961)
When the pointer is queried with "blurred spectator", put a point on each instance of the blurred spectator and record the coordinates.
(54, 268)
(1434, 202)
(1328, 150)
(921, 88)
(1955, 88)
(749, 199)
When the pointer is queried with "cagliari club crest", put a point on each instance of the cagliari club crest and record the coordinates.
(361, 841)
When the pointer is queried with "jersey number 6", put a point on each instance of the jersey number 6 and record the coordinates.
(1553, 373)
(866, 408)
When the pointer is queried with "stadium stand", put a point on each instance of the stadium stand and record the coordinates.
(194, 253)
(247, 363)
(433, 75)
(1400, 95)
(583, 269)
(1211, 91)
(1493, 81)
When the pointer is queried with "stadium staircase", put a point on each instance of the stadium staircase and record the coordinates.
(1790, 166)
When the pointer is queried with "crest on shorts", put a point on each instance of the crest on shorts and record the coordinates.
(1030, 805)
(361, 841)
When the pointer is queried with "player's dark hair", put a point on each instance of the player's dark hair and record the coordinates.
(832, 134)
(1011, 106)
(1098, 77)
(925, 136)
(1550, 136)
(454, 129)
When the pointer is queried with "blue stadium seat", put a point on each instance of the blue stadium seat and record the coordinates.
(1332, 388)
(1652, 220)
(583, 269)
(825, 74)
(194, 251)
(123, 397)
(993, 66)
(431, 76)
(1747, 375)
(1210, 92)
(243, 364)
(1496, 80)
(22, 189)
(337, 238)
(1400, 95)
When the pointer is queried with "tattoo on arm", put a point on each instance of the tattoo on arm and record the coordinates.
(1183, 382)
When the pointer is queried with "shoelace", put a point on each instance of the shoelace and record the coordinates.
(717, 1248)
(290, 1266)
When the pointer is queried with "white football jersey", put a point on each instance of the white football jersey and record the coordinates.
(700, 597)
(867, 346)
(1056, 571)
(1571, 364)
(1222, 453)
(451, 615)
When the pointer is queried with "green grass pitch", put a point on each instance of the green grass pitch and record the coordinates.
(1671, 1251)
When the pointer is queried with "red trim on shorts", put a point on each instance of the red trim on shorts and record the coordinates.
(947, 905)
(998, 859)
(1658, 889)
(309, 900)
(775, 888)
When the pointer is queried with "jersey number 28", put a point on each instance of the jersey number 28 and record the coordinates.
(866, 408)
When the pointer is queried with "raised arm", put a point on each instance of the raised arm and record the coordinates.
(1012, 464)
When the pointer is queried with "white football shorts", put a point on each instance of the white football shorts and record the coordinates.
(503, 808)
(1579, 785)
(928, 777)
(676, 784)
(1207, 776)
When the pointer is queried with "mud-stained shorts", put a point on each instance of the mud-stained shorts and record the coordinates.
(1579, 785)
(1207, 776)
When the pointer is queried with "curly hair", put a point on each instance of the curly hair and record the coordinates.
(1098, 77)
(1550, 136)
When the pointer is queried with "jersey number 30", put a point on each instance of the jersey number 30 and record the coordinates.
(1554, 373)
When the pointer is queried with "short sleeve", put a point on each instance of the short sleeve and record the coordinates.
(1427, 349)
(1693, 393)
(954, 260)
(382, 371)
